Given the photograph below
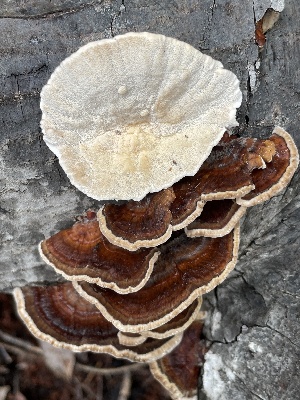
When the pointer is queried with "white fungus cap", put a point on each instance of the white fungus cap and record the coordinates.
(134, 114)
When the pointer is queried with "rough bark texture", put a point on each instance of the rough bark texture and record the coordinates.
(253, 320)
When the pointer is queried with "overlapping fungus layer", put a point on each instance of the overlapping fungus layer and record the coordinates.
(139, 269)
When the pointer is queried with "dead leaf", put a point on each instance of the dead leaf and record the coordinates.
(259, 34)
(264, 24)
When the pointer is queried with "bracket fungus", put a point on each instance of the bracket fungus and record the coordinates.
(217, 218)
(135, 224)
(185, 269)
(179, 370)
(82, 253)
(144, 118)
(278, 171)
(225, 174)
(58, 315)
(132, 115)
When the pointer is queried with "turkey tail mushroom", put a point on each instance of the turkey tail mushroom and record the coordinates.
(59, 316)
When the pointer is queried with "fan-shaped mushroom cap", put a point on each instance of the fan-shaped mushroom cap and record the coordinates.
(179, 371)
(278, 171)
(82, 253)
(132, 115)
(185, 270)
(136, 224)
(58, 315)
(225, 174)
(176, 325)
(217, 219)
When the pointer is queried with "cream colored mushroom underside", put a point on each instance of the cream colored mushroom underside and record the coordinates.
(134, 114)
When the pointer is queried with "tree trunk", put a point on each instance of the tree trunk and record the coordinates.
(253, 320)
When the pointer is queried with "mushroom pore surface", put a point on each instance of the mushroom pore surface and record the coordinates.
(132, 115)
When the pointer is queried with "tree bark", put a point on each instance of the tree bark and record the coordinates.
(253, 320)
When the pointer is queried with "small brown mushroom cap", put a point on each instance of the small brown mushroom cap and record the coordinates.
(82, 253)
(179, 371)
(177, 324)
(132, 115)
(278, 171)
(59, 316)
(217, 219)
(145, 223)
(185, 270)
(226, 174)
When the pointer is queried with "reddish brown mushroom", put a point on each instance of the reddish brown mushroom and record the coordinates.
(179, 371)
(186, 269)
(217, 219)
(58, 315)
(176, 325)
(82, 253)
(278, 171)
(226, 174)
(136, 224)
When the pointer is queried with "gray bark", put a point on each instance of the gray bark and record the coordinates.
(253, 320)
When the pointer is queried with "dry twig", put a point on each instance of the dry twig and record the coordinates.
(125, 387)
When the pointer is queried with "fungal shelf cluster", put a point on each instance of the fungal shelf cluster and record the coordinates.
(136, 271)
